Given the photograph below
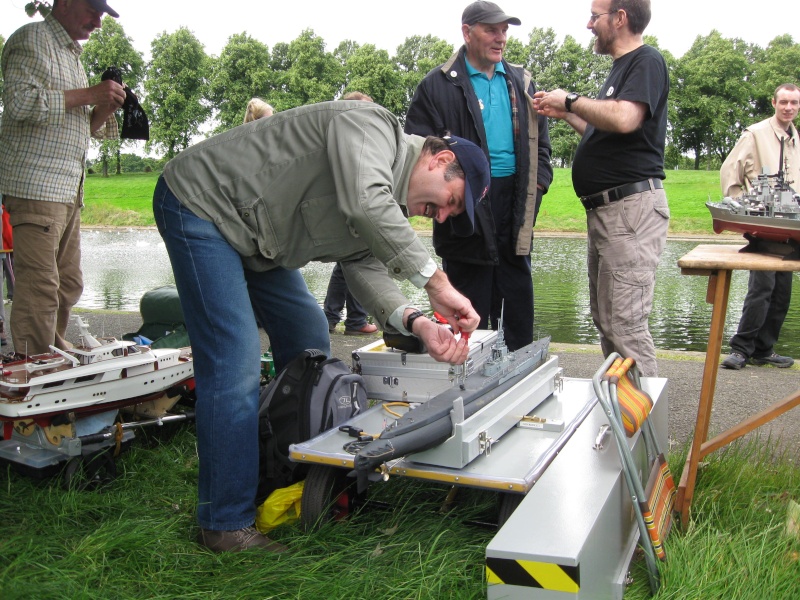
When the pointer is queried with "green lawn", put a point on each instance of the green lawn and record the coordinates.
(126, 201)
(133, 539)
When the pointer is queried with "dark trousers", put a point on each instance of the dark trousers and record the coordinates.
(338, 294)
(487, 286)
(763, 313)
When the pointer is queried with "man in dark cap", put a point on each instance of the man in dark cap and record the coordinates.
(242, 211)
(478, 95)
(50, 113)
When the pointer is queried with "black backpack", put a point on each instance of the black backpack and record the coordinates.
(310, 395)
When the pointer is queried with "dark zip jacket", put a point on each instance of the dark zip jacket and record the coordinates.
(445, 102)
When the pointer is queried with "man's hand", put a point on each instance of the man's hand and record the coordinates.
(551, 104)
(108, 94)
(448, 302)
(440, 343)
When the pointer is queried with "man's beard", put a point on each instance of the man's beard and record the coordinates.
(602, 45)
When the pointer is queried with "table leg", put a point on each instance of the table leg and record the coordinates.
(719, 285)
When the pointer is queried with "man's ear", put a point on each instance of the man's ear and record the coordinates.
(441, 159)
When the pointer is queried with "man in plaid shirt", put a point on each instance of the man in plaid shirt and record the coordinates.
(50, 113)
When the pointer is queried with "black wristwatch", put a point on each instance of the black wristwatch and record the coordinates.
(411, 318)
(571, 97)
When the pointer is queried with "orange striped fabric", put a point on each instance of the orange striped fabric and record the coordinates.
(657, 511)
(634, 404)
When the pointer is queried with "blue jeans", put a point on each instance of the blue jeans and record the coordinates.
(335, 299)
(218, 296)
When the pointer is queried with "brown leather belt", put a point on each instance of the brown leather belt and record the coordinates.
(620, 192)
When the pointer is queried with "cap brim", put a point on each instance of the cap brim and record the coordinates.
(463, 225)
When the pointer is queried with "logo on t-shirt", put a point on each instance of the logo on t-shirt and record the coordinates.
(610, 91)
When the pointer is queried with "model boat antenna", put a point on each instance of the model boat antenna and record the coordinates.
(780, 164)
(87, 339)
(501, 338)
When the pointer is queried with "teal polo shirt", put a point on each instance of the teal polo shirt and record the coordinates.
(496, 111)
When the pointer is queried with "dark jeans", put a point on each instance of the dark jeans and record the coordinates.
(487, 286)
(219, 296)
(335, 300)
(763, 313)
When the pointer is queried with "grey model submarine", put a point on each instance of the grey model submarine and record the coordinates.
(429, 424)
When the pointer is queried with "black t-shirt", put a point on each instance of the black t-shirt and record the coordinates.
(604, 160)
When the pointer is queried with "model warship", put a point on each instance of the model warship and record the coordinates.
(768, 215)
(430, 424)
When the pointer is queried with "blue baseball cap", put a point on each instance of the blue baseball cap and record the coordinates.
(477, 177)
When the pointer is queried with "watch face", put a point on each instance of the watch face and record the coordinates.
(571, 97)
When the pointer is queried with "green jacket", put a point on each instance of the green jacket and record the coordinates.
(324, 182)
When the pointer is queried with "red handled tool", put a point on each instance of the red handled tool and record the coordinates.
(443, 321)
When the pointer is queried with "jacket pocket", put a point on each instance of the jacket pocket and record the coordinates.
(323, 221)
(249, 230)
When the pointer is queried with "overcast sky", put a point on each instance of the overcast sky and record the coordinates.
(386, 24)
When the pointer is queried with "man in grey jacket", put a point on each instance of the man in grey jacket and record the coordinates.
(242, 211)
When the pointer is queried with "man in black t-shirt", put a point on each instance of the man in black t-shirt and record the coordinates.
(617, 173)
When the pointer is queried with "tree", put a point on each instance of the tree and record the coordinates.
(515, 52)
(778, 64)
(371, 71)
(176, 86)
(106, 47)
(313, 75)
(541, 57)
(712, 92)
(241, 72)
(415, 58)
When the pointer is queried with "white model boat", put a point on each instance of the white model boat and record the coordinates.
(97, 375)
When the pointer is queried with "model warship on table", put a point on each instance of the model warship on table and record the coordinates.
(430, 424)
(768, 215)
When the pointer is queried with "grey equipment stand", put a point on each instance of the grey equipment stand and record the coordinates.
(572, 533)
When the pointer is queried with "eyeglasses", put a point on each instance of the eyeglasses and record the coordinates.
(594, 17)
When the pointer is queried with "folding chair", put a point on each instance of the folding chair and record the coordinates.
(627, 407)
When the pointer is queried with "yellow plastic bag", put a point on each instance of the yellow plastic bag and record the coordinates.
(281, 506)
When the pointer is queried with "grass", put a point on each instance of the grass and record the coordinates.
(126, 201)
(132, 539)
(119, 200)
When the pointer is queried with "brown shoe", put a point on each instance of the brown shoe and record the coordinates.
(365, 330)
(238, 540)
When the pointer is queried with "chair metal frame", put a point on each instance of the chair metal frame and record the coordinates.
(605, 386)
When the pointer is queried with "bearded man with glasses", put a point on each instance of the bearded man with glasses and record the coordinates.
(617, 174)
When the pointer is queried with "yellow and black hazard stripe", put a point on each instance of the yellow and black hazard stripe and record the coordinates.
(528, 573)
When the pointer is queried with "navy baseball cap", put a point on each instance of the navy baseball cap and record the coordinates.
(477, 177)
(103, 7)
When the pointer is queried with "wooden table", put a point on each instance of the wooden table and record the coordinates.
(718, 262)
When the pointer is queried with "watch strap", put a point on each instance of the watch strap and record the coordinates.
(411, 318)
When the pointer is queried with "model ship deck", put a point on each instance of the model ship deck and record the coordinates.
(98, 374)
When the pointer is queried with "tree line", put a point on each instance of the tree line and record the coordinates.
(718, 87)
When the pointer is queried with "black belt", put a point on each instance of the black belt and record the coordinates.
(618, 193)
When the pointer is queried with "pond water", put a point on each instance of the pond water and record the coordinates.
(119, 266)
